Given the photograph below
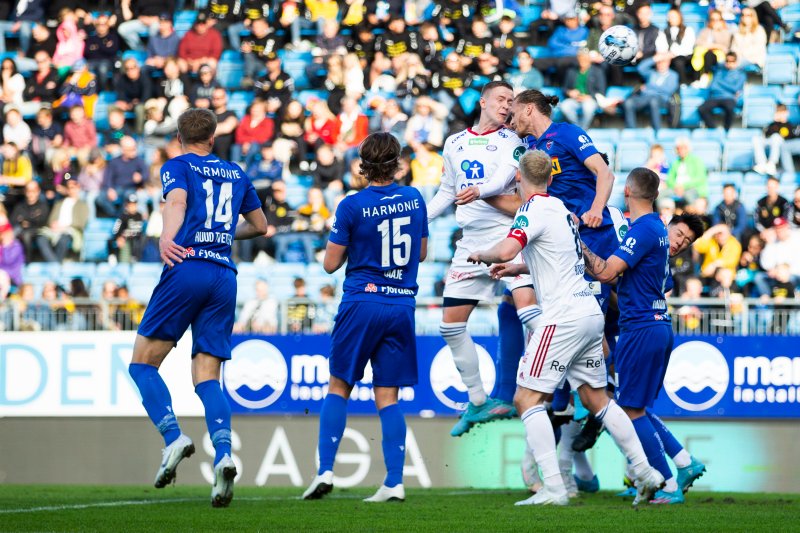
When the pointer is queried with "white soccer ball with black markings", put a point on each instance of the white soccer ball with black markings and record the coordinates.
(618, 45)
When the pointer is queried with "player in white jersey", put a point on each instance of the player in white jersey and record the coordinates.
(568, 340)
(479, 164)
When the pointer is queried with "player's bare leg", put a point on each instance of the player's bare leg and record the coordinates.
(454, 331)
(148, 354)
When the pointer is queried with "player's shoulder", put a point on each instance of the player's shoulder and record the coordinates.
(454, 139)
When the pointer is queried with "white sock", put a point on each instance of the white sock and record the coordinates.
(671, 485)
(583, 469)
(565, 452)
(682, 459)
(529, 316)
(621, 429)
(539, 434)
(465, 357)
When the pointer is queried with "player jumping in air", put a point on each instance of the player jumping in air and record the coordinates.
(478, 165)
(646, 338)
(205, 196)
(382, 233)
(568, 341)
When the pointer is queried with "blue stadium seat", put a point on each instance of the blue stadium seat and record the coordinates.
(554, 91)
(304, 96)
(756, 91)
(780, 69)
(119, 272)
(296, 195)
(709, 134)
(146, 270)
(439, 246)
(607, 148)
(184, 21)
(710, 152)
(743, 134)
(104, 100)
(139, 55)
(790, 94)
(78, 270)
(690, 118)
(296, 69)
(750, 194)
(755, 178)
(432, 269)
(670, 134)
(718, 179)
(538, 51)
(638, 134)
(469, 100)
(758, 111)
(633, 155)
(230, 69)
(141, 288)
(738, 155)
(610, 135)
(47, 270)
(529, 15)
(295, 55)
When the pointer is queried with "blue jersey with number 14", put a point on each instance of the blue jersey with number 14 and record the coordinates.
(217, 192)
(382, 228)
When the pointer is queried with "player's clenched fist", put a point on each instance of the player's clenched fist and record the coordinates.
(593, 217)
(468, 195)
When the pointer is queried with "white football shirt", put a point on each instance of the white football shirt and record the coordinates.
(551, 249)
(489, 161)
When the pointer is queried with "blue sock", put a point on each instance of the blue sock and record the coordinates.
(653, 448)
(218, 416)
(561, 398)
(393, 427)
(671, 444)
(510, 345)
(156, 400)
(332, 421)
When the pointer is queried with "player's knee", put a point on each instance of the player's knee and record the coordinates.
(529, 316)
(452, 331)
(137, 370)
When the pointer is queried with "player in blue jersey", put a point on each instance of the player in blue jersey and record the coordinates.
(204, 198)
(646, 338)
(382, 233)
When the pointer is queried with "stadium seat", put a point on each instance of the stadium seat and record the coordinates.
(296, 69)
(607, 148)
(184, 21)
(530, 14)
(758, 111)
(141, 288)
(717, 179)
(780, 69)
(790, 94)
(750, 194)
(754, 178)
(634, 154)
(709, 134)
(47, 270)
(139, 55)
(146, 270)
(690, 118)
(637, 134)
(710, 152)
(310, 94)
(119, 272)
(610, 135)
(85, 271)
(538, 51)
(738, 155)
(743, 134)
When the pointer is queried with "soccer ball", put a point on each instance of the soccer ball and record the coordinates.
(618, 45)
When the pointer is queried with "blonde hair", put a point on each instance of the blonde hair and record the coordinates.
(536, 167)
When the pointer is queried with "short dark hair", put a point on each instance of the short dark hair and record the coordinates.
(643, 183)
(495, 84)
(729, 184)
(543, 103)
(693, 222)
(197, 125)
(379, 154)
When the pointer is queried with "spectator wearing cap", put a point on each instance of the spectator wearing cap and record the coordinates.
(276, 86)
(123, 176)
(771, 206)
(661, 84)
(12, 253)
(80, 134)
(70, 43)
(261, 42)
(783, 243)
(202, 45)
(227, 122)
(80, 88)
(65, 225)
(201, 91)
(133, 89)
(16, 130)
(29, 216)
(725, 89)
(255, 129)
(141, 16)
(581, 83)
(125, 244)
(17, 171)
(43, 85)
(102, 48)
(163, 44)
(730, 211)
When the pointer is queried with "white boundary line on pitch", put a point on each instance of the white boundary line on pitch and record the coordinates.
(126, 503)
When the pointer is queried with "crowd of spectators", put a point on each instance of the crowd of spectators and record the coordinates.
(411, 67)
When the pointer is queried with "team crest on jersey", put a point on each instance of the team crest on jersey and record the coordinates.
(520, 222)
(371, 287)
(556, 167)
(518, 151)
(473, 169)
(189, 252)
(548, 144)
(491, 147)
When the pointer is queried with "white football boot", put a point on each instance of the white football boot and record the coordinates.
(387, 494)
(170, 457)
(224, 474)
(322, 485)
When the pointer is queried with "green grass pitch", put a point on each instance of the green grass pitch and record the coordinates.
(177, 508)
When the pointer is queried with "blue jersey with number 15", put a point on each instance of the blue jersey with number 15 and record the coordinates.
(383, 228)
(217, 192)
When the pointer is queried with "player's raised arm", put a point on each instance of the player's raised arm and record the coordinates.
(604, 271)
(173, 214)
(605, 181)
(502, 252)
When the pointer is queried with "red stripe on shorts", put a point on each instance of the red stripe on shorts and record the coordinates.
(541, 351)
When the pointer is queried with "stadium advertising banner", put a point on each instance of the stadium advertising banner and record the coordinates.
(85, 374)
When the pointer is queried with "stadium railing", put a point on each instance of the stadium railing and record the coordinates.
(707, 316)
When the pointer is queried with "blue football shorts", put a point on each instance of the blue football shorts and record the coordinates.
(640, 363)
(195, 293)
(602, 242)
(377, 332)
